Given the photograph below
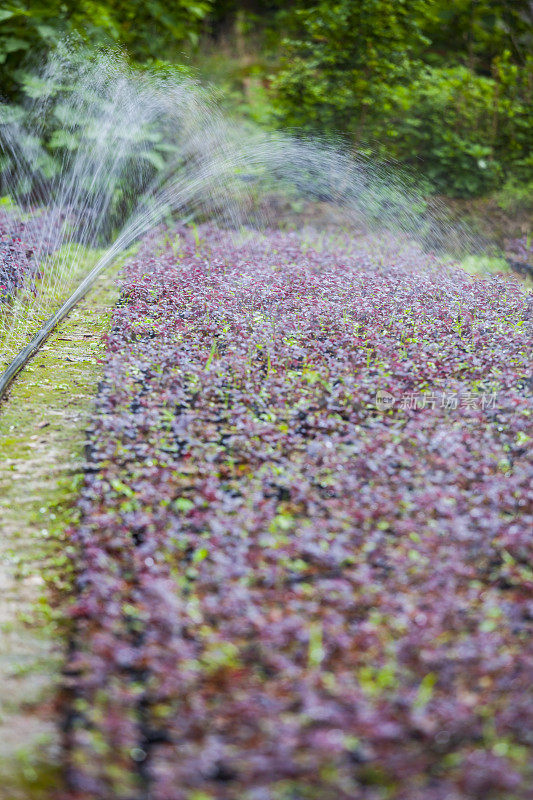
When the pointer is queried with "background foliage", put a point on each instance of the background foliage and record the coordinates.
(149, 29)
(443, 87)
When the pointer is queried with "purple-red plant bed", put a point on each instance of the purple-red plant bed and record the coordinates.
(22, 244)
(304, 554)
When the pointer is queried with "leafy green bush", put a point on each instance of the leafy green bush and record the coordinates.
(515, 196)
(341, 60)
(446, 123)
(149, 30)
(375, 71)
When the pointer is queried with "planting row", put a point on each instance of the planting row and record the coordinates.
(24, 242)
(303, 557)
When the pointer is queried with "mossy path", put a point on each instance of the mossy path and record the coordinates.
(42, 422)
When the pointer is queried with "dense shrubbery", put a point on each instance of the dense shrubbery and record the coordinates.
(444, 87)
(28, 31)
(287, 590)
(458, 129)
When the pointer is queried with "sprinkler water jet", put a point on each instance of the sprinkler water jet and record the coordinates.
(107, 153)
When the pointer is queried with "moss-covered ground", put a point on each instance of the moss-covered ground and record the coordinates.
(42, 422)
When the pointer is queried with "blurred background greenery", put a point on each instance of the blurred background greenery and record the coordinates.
(440, 88)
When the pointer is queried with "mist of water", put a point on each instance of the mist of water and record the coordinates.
(136, 148)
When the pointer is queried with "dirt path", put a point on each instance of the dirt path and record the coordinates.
(42, 425)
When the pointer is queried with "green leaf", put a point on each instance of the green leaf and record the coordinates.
(425, 690)
(63, 138)
(200, 554)
(122, 488)
(316, 649)
(183, 504)
(154, 158)
(12, 44)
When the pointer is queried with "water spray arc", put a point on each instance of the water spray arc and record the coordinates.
(134, 148)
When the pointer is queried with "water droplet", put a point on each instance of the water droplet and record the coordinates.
(137, 754)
